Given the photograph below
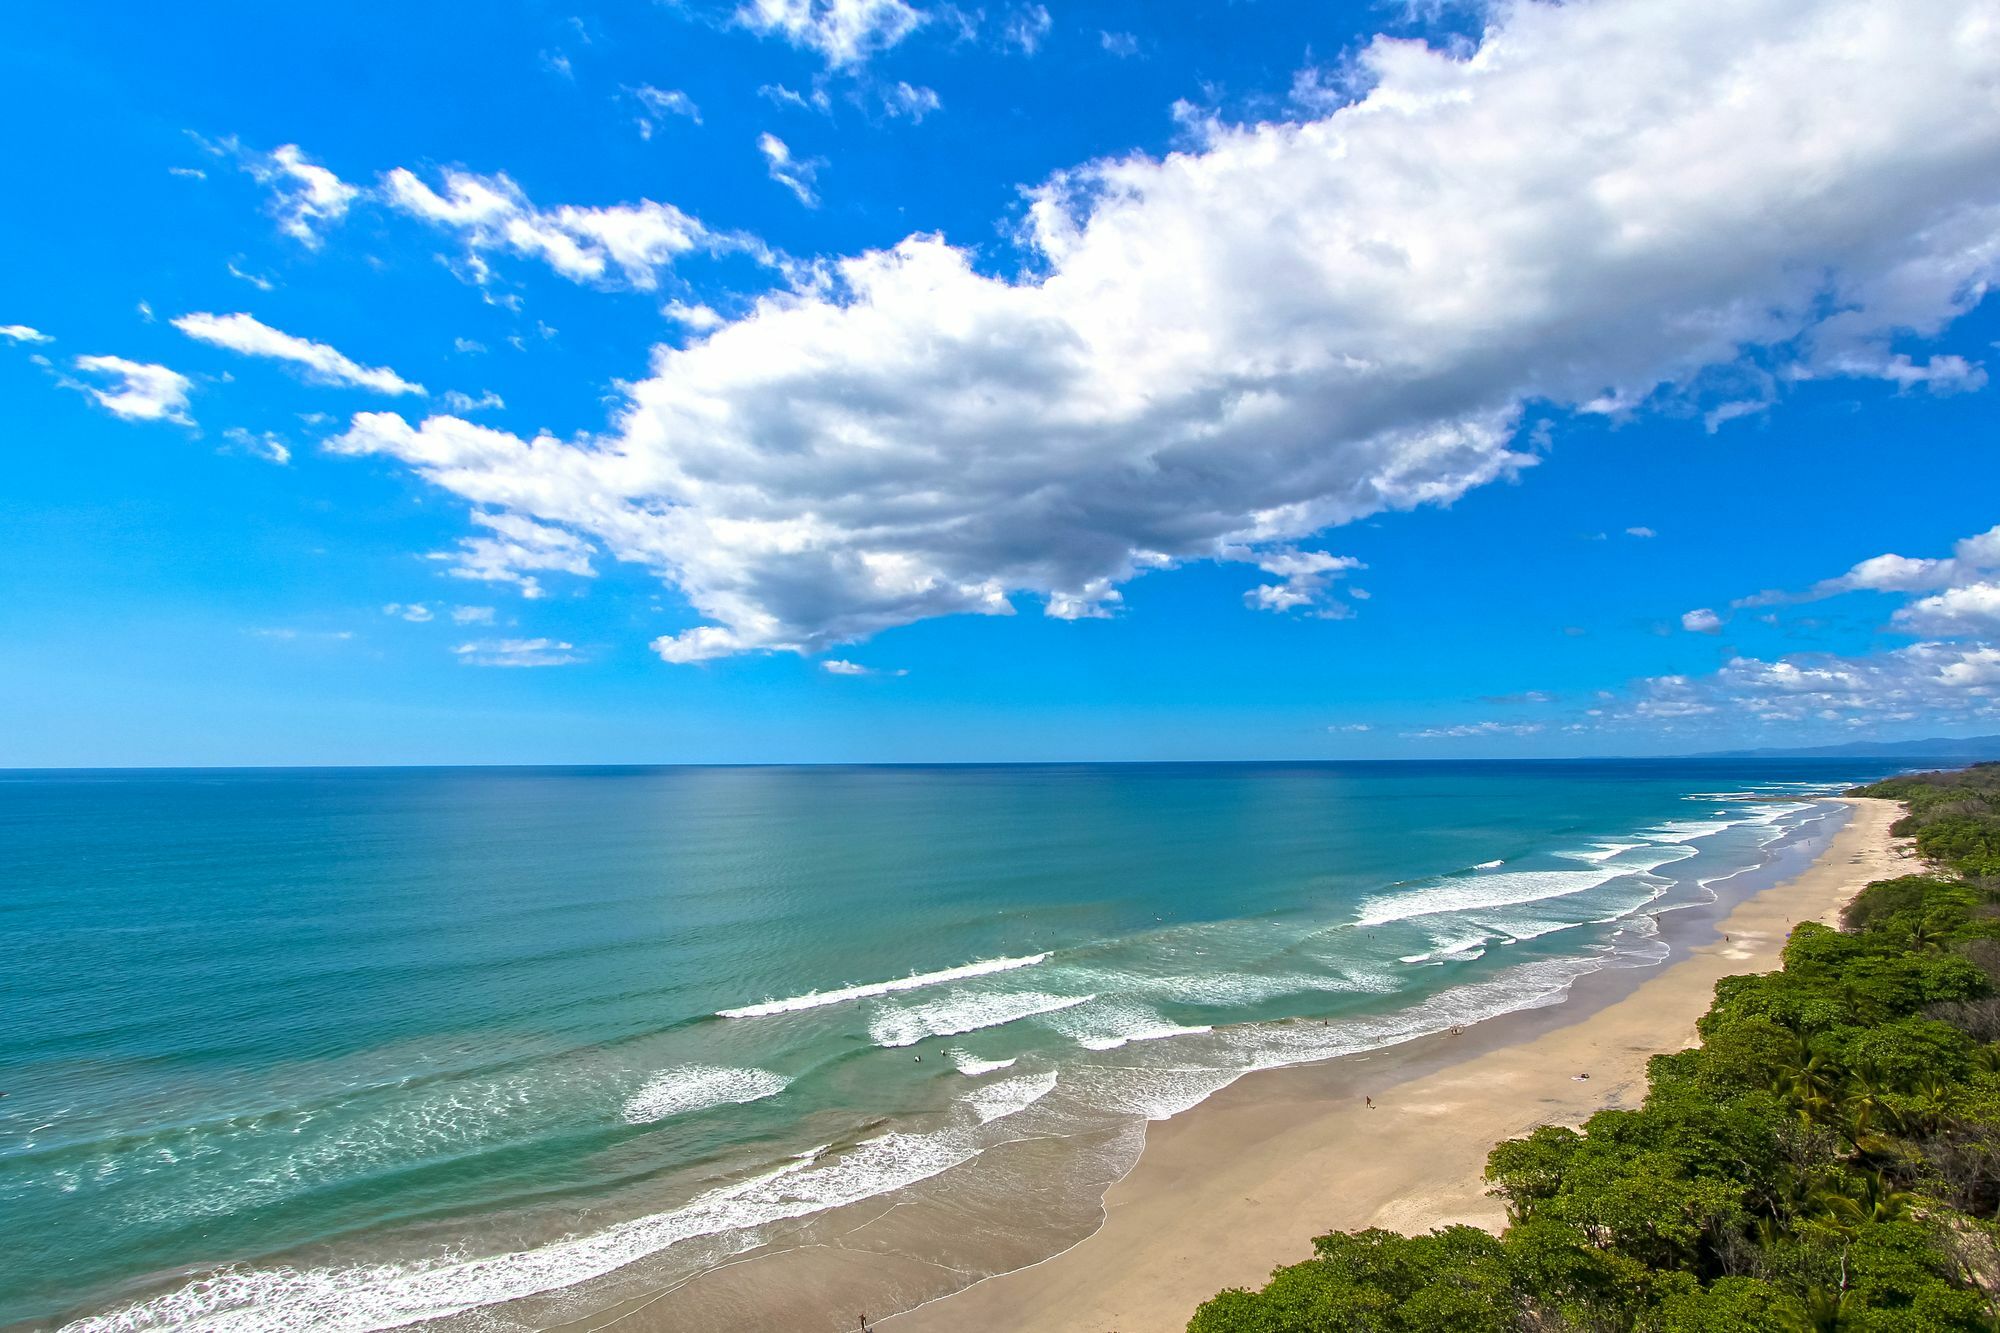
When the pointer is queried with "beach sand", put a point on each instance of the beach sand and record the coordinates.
(1242, 1183)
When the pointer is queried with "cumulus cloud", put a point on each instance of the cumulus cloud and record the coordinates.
(472, 615)
(1292, 325)
(1973, 608)
(1943, 681)
(140, 390)
(517, 653)
(844, 32)
(1640, 532)
(1971, 557)
(1949, 675)
(416, 612)
(21, 333)
(621, 243)
(1701, 620)
(1305, 574)
(321, 363)
(794, 173)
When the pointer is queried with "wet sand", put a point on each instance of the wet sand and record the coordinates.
(1241, 1184)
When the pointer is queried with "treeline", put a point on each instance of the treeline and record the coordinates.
(1827, 1159)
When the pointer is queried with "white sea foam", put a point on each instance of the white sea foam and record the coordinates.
(1600, 851)
(972, 1066)
(969, 1011)
(1687, 830)
(817, 999)
(1473, 892)
(361, 1298)
(1108, 1026)
(1009, 1096)
(1489, 865)
(696, 1088)
(1449, 947)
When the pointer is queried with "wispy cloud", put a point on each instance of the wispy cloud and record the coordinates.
(517, 653)
(795, 174)
(322, 364)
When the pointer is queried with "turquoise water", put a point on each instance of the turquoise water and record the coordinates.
(351, 1049)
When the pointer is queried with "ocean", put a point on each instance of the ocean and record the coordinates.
(493, 1048)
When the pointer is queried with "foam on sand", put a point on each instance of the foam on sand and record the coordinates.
(972, 1066)
(363, 1298)
(917, 981)
(697, 1088)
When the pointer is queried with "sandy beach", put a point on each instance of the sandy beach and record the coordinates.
(1242, 1183)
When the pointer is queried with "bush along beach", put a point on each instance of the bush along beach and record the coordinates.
(1828, 1158)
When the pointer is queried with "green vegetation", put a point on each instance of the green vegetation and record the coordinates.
(1955, 817)
(1827, 1159)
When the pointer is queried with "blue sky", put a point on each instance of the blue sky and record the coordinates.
(887, 380)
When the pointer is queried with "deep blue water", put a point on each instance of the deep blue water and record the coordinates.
(341, 1031)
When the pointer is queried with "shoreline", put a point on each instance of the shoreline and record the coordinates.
(1240, 1184)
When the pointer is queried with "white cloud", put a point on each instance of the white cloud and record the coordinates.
(1351, 726)
(465, 402)
(1120, 44)
(517, 653)
(307, 198)
(468, 347)
(21, 333)
(1970, 558)
(1972, 608)
(700, 318)
(266, 445)
(1472, 729)
(416, 612)
(472, 615)
(903, 99)
(1026, 28)
(322, 364)
(795, 174)
(1701, 620)
(1946, 682)
(661, 103)
(1950, 676)
(289, 634)
(819, 100)
(143, 391)
(1291, 325)
(1305, 575)
(840, 667)
(258, 281)
(844, 32)
(582, 244)
(1640, 532)
(518, 549)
